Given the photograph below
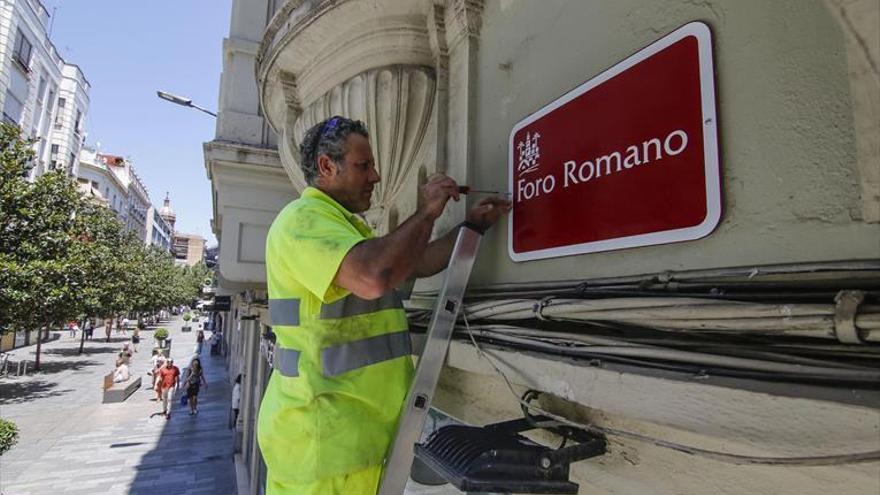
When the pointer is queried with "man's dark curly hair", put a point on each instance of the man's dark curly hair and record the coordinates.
(327, 138)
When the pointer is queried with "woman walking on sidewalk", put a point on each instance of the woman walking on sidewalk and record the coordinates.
(200, 341)
(195, 377)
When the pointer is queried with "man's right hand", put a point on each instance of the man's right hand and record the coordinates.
(434, 195)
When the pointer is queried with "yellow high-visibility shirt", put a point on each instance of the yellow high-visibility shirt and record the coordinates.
(342, 364)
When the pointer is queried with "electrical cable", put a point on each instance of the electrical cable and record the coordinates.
(738, 459)
(701, 347)
(702, 359)
(678, 314)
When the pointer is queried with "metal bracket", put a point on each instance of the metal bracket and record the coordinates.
(847, 305)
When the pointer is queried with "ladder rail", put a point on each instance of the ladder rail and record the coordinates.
(421, 392)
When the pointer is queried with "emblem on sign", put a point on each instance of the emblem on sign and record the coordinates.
(529, 152)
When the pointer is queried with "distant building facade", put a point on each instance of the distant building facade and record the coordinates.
(113, 181)
(159, 233)
(99, 177)
(167, 213)
(39, 92)
(138, 205)
(189, 249)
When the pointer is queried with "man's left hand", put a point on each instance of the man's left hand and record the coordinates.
(485, 213)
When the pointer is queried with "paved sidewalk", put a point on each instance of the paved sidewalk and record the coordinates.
(70, 443)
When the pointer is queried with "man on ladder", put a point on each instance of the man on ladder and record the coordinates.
(342, 363)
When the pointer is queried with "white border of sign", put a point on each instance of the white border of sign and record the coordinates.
(710, 146)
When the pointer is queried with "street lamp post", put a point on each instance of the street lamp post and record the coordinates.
(180, 100)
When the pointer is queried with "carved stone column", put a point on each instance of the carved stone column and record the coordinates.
(396, 104)
(371, 61)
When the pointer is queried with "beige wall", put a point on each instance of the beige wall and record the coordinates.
(796, 178)
(791, 184)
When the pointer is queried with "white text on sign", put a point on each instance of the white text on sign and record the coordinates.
(575, 173)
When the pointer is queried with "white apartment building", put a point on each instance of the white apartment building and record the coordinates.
(138, 204)
(131, 206)
(100, 177)
(40, 92)
(113, 180)
(159, 232)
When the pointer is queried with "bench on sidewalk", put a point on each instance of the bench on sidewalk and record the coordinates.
(118, 392)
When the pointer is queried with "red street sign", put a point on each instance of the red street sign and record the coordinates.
(628, 158)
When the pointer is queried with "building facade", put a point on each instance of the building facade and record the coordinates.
(138, 205)
(102, 176)
(188, 249)
(159, 233)
(40, 92)
(443, 84)
(113, 181)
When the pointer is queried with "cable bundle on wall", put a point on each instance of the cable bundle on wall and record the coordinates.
(685, 314)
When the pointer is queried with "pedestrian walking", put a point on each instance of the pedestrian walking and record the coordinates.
(169, 381)
(89, 328)
(216, 342)
(236, 400)
(194, 378)
(200, 341)
(72, 327)
(108, 326)
(135, 338)
(157, 363)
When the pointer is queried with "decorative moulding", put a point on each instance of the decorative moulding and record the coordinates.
(396, 104)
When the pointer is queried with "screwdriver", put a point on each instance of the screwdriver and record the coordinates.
(468, 190)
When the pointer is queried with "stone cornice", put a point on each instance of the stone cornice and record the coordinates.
(464, 20)
(251, 164)
(240, 45)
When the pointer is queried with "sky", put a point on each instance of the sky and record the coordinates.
(129, 49)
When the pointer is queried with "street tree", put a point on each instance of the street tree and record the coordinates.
(64, 256)
(41, 264)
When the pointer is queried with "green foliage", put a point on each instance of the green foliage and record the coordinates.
(8, 435)
(160, 334)
(187, 317)
(63, 255)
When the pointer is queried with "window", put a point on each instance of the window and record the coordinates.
(21, 53)
(59, 117)
(78, 121)
(50, 105)
(53, 165)
(54, 150)
(12, 108)
(41, 94)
